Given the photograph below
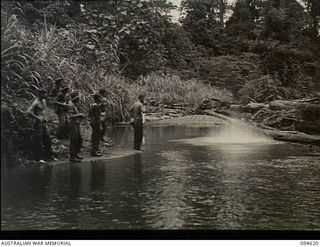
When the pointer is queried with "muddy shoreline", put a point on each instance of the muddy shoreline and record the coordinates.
(111, 151)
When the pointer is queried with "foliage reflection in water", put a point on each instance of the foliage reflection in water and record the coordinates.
(184, 184)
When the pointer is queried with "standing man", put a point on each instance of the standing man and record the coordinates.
(61, 110)
(42, 139)
(136, 110)
(103, 117)
(95, 122)
(75, 133)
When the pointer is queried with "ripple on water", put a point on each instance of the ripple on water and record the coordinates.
(193, 184)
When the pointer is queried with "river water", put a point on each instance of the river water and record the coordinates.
(183, 180)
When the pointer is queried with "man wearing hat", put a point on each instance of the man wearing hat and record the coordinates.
(61, 110)
(42, 139)
(95, 122)
(75, 133)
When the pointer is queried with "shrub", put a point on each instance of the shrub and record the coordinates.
(266, 88)
(170, 89)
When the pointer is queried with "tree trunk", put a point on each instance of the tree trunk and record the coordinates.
(310, 111)
(290, 136)
(222, 10)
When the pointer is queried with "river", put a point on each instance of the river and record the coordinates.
(183, 180)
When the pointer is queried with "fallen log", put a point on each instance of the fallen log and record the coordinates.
(289, 136)
(293, 137)
(218, 115)
(286, 104)
(254, 107)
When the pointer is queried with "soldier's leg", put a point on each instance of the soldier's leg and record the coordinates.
(140, 134)
(46, 139)
(95, 137)
(103, 129)
(137, 134)
(98, 134)
(67, 127)
(80, 140)
(93, 140)
(73, 143)
(37, 141)
(79, 143)
(62, 126)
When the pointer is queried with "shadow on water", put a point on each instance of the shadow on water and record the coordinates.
(186, 179)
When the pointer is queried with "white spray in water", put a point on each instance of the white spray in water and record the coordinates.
(238, 132)
(234, 132)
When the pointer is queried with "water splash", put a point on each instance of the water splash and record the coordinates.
(237, 132)
(234, 132)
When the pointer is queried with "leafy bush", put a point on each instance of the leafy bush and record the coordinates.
(170, 89)
(266, 88)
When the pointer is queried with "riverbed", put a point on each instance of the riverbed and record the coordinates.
(185, 179)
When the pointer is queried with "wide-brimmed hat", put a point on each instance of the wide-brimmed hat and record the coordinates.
(74, 95)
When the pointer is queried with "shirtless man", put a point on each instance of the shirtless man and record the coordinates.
(42, 139)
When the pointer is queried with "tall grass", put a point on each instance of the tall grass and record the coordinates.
(35, 58)
(171, 89)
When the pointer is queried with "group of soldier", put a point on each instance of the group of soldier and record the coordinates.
(67, 108)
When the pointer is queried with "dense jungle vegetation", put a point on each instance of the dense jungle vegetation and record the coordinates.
(266, 49)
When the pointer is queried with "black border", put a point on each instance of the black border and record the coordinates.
(160, 235)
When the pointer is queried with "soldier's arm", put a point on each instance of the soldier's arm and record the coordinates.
(143, 108)
(76, 115)
(74, 112)
(60, 101)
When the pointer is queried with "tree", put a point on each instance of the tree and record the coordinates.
(313, 8)
(133, 29)
(203, 24)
